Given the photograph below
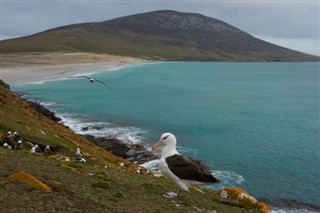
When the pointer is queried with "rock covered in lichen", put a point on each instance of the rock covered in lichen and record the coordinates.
(241, 196)
(26, 178)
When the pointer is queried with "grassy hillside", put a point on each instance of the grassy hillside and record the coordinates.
(77, 40)
(158, 35)
(100, 185)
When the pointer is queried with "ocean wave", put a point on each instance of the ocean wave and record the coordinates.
(151, 165)
(120, 67)
(80, 125)
(50, 104)
(187, 151)
(43, 103)
(132, 65)
(90, 73)
(85, 74)
(291, 206)
(291, 210)
(46, 80)
(227, 179)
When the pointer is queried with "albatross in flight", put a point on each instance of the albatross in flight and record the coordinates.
(92, 80)
(180, 169)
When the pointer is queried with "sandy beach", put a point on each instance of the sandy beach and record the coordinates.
(31, 67)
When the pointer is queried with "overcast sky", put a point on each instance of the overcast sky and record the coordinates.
(292, 24)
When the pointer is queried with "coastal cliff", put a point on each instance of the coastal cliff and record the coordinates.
(54, 182)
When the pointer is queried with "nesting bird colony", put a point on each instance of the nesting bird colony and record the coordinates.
(14, 141)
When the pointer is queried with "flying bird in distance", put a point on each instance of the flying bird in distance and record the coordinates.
(93, 80)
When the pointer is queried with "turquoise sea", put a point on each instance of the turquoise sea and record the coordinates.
(257, 125)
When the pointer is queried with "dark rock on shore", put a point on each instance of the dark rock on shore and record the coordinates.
(290, 203)
(41, 109)
(132, 152)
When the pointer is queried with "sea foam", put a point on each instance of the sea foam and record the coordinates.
(47, 80)
(291, 210)
(81, 125)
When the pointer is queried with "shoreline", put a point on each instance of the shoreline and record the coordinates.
(140, 154)
(137, 152)
(20, 69)
(58, 71)
(122, 147)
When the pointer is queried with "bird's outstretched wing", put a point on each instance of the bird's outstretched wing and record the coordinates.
(104, 84)
(93, 80)
(189, 169)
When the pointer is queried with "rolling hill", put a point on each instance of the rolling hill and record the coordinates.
(158, 35)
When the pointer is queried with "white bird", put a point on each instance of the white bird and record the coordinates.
(35, 149)
(182, 170)
(16, 136)
(9, 134)
(6, 146)
(8, 139)
(79, 153)
(93, 80)
(47, 149)
(138, 170)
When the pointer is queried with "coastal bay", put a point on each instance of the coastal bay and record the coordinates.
(86, 90)
(240, 131)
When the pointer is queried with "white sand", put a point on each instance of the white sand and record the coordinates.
(33, 69)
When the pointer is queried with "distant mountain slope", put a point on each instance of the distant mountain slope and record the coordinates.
(160, 35)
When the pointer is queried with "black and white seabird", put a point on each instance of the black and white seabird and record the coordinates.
(35, 149)
(182, 170)
(8, 139)
(93, 80)
(80, 160)
(79, 153)
(79, 156)
(6, 146)
(18, 144)
(9, 134)
(47, 149)
(16, 136)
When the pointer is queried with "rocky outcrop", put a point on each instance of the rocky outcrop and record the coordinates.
(133, 152)
(30, 180)
(41, 109)
(3, 84)
(242, 197)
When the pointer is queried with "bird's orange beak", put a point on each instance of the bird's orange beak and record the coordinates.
(158, 144)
